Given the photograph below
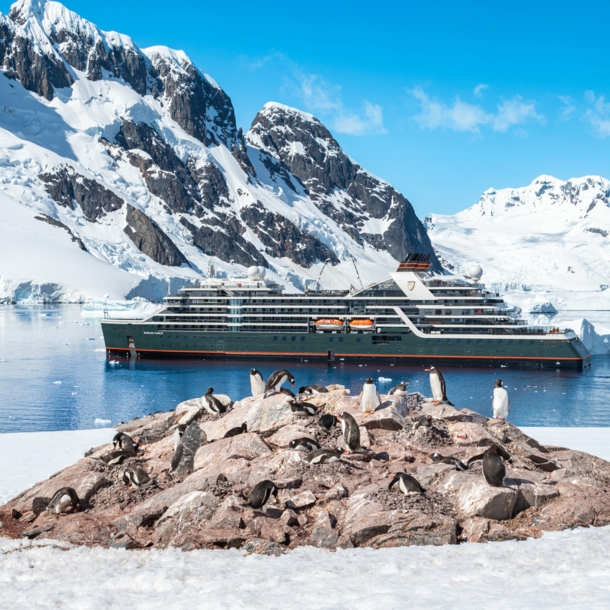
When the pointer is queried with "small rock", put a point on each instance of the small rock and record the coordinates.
(336, 493)
(262, 547)
(322, 534)
(289, 517)
(123, 541)
(31, 534)
(15, 514)
(301, 500)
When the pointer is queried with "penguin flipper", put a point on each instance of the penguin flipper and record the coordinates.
(448, 402)
(473, 459)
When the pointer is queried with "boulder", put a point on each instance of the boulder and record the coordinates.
(301, 500)
(214, 457)
(417, 529)
(464, 434)
(322, 534)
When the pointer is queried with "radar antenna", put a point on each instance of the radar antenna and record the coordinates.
(357, 272)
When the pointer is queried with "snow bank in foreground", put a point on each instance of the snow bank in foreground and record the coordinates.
(562, 569)
(137, 309)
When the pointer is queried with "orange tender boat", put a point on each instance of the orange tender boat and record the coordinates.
(362, 324)
(329, 324)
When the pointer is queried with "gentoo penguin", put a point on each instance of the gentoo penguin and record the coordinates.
(277, 379)
(304, 444)
(406, 483)
(439, 389)
(325, 456)
(505, 455)
(235, 431)
(137, 477)
(370, 398)
(327, 422)
(115, 457)
(494, 468)
(64, 500)
(437, 458)
(351, 432)
(423, 421)
(399, 390)
(211, 403)
(302, 408)
(500, 405)
(257, 383)
(287, 392)
(259, 495)
(314, 388)
(178, 432)
(124, 442)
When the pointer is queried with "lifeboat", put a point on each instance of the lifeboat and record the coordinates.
(329, 324)
(362, 324)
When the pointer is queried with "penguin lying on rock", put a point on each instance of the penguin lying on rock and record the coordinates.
(302, 408)
(137, 477)
(437, 458)
(327, 422)
(236, 431)
(215, 404)
(115, 457)
(325, 456)
(399, 390)
(423, 421)
(314, 388)
(304, 444)
(406, 483)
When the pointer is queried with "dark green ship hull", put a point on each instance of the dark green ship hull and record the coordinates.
(145, 340)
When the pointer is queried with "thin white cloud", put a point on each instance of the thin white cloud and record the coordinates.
(598, 116)
(325, 99)
(478, 90)
(463, 116)
(568, 109)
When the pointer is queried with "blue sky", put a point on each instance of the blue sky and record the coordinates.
(442, 99)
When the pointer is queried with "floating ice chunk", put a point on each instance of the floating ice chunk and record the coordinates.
(57, 383)
(114, 363)
(101, 422)
(384, 379)
(91, 339)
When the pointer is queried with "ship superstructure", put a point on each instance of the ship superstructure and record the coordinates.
(414, 316)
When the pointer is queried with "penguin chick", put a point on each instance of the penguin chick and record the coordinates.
(137, 477)
(326, 422)
(64, 500)
(369, 398)
(438, 386)
(211, 403)
(325, 456)
(257, 383)
(437, 458)
(351, 432)
(500, 405)
(302, 408)
(304, 444)
(236, 431)
(399, 390)
(424, 421)
(259, 495)
(406, 483)
(277, 379)
(178, 432)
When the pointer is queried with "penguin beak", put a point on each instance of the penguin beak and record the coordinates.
(292, 383)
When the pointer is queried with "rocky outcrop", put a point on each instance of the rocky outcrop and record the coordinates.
(68, 188)
(151, 240)
(55, 223)
(364, 206)
(202, 500)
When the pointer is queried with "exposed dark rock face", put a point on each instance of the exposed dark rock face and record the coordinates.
(213, 188)
(164, 173)
(301, 143)
(21, 59)
(283, 238)
(225, 243)
(61, 225)
(68, 188)
(151, 240)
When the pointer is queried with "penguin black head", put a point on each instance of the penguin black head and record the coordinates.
(210, 390)
(305, 389)
(327, 421)
(255, 372)
(435, 457)
(287, 392)
(368, 380)
(498, 383)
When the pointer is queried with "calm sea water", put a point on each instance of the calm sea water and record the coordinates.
(54, 375)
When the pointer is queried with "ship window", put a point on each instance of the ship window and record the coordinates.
(428, 340)
(340, 339)
(546, 344)
(521, 342)
(275, 338)
(489, 341)
(294, 338)
(532, 342)
(510, 342)
(459, 341)
(358, 340)
(284, 338)
(438, 340)
(479, 341)
(448, 340)
(331, 339)
(500, 341)
(468, 341)
(554, 344)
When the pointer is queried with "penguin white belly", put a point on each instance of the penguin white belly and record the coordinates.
(281, 381)
(369, 398)
(223, 399)
(437, 390)
(500, 404)
(63, 503)
(257, 385)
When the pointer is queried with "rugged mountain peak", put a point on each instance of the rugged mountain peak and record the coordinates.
(366, 207)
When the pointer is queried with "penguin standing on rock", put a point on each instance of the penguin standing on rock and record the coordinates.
(494, 468)
(406, 483)
(327, 422)
(351, 432)
(439, 389)
(212, 404)
(500, 404)
(399, 390)
(277, 379)
(124, 442)
(137, 477)
(257, 383)
(178, 432)
(64, 500)
(369, 399)
(259, 495)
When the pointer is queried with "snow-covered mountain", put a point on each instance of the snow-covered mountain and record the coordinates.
(123, 172)
(551, 238)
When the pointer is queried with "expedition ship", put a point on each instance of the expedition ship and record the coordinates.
(414, 317)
